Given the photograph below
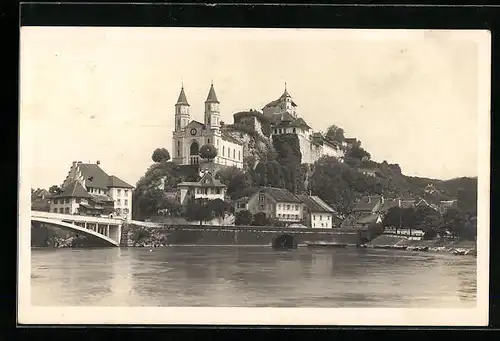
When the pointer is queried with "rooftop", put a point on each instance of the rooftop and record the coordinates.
(97, 178)
(315, 204)
(280, 194)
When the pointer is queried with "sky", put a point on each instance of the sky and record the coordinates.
(108, 94)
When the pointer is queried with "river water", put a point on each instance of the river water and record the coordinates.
(227, 276)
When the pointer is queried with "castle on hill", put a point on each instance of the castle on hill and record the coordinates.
(279, 115)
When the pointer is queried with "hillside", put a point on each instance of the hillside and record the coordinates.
(275, 160)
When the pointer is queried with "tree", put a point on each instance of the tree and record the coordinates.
(359, 153)
(217, 207)
(208, 152)
(160, 155)
(260, 219)
(236, 181)
(454, 221)
(243, 218)
(198, 212)
(335, 133)
(55, 190)
(393, 217)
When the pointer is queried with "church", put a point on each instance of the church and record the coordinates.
(190, 135)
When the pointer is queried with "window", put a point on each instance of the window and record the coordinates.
(288, 207)
(217, 142)
(78, 200)
(217, 191)
(223, 150)
(126, 192)
(125, 210)
(296, 207)
(294, 130)
(234, 154)
(228, 152)
(118, 211)
(118, 201)
(119, 191)
(320, 217)
(239, 155)
(178, 148)
(61, 210)
(314, 217)
(208, 141)
(66, 210)
(55, 210)
(261, 197)
(56, 201)
(262, 207)
(66, 201)
(126, 202)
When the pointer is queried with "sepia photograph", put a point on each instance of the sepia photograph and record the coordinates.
(254, 176)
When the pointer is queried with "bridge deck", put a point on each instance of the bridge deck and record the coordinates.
(76, 218)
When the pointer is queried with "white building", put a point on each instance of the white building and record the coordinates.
(87, 189)
(190, 135)
(276, 203)
(317, 213)
(206, 188)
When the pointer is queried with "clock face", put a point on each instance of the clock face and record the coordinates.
(193, 131)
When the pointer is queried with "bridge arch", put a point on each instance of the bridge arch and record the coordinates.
(284, 241)
(76, 228)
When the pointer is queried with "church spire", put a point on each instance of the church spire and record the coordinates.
(182, 100)
(212, 97)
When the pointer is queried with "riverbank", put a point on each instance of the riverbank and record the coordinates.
(394, 242)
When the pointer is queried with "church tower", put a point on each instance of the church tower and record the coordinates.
(212, 114)
(181, 112)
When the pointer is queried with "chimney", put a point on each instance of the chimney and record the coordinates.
(369, 198)
(98, 162)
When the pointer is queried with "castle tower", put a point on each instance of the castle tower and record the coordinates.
(288, 105)
(181, 112)
(212, 114)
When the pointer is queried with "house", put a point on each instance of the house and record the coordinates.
(241, 204)
(369, 220)
(445, 205)
(207, 188)
(369, 171)
(316, 212)
(276, 203)
(368, 204)
(40, 200)
(88, 189)
(422, 203)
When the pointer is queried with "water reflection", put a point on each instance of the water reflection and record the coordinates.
(251, 276)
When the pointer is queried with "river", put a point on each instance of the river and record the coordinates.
(227, 276)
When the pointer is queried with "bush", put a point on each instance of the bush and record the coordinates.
(243, 218)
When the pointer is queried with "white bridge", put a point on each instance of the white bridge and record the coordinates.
(106, 229)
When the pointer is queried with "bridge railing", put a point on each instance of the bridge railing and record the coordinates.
(76, 217)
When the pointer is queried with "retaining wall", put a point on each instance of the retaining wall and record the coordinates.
(235, 235)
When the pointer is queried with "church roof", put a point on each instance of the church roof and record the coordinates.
(182, 100)
(212, 97)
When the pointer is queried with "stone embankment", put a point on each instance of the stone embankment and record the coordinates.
(458, 247)
(133, 235)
